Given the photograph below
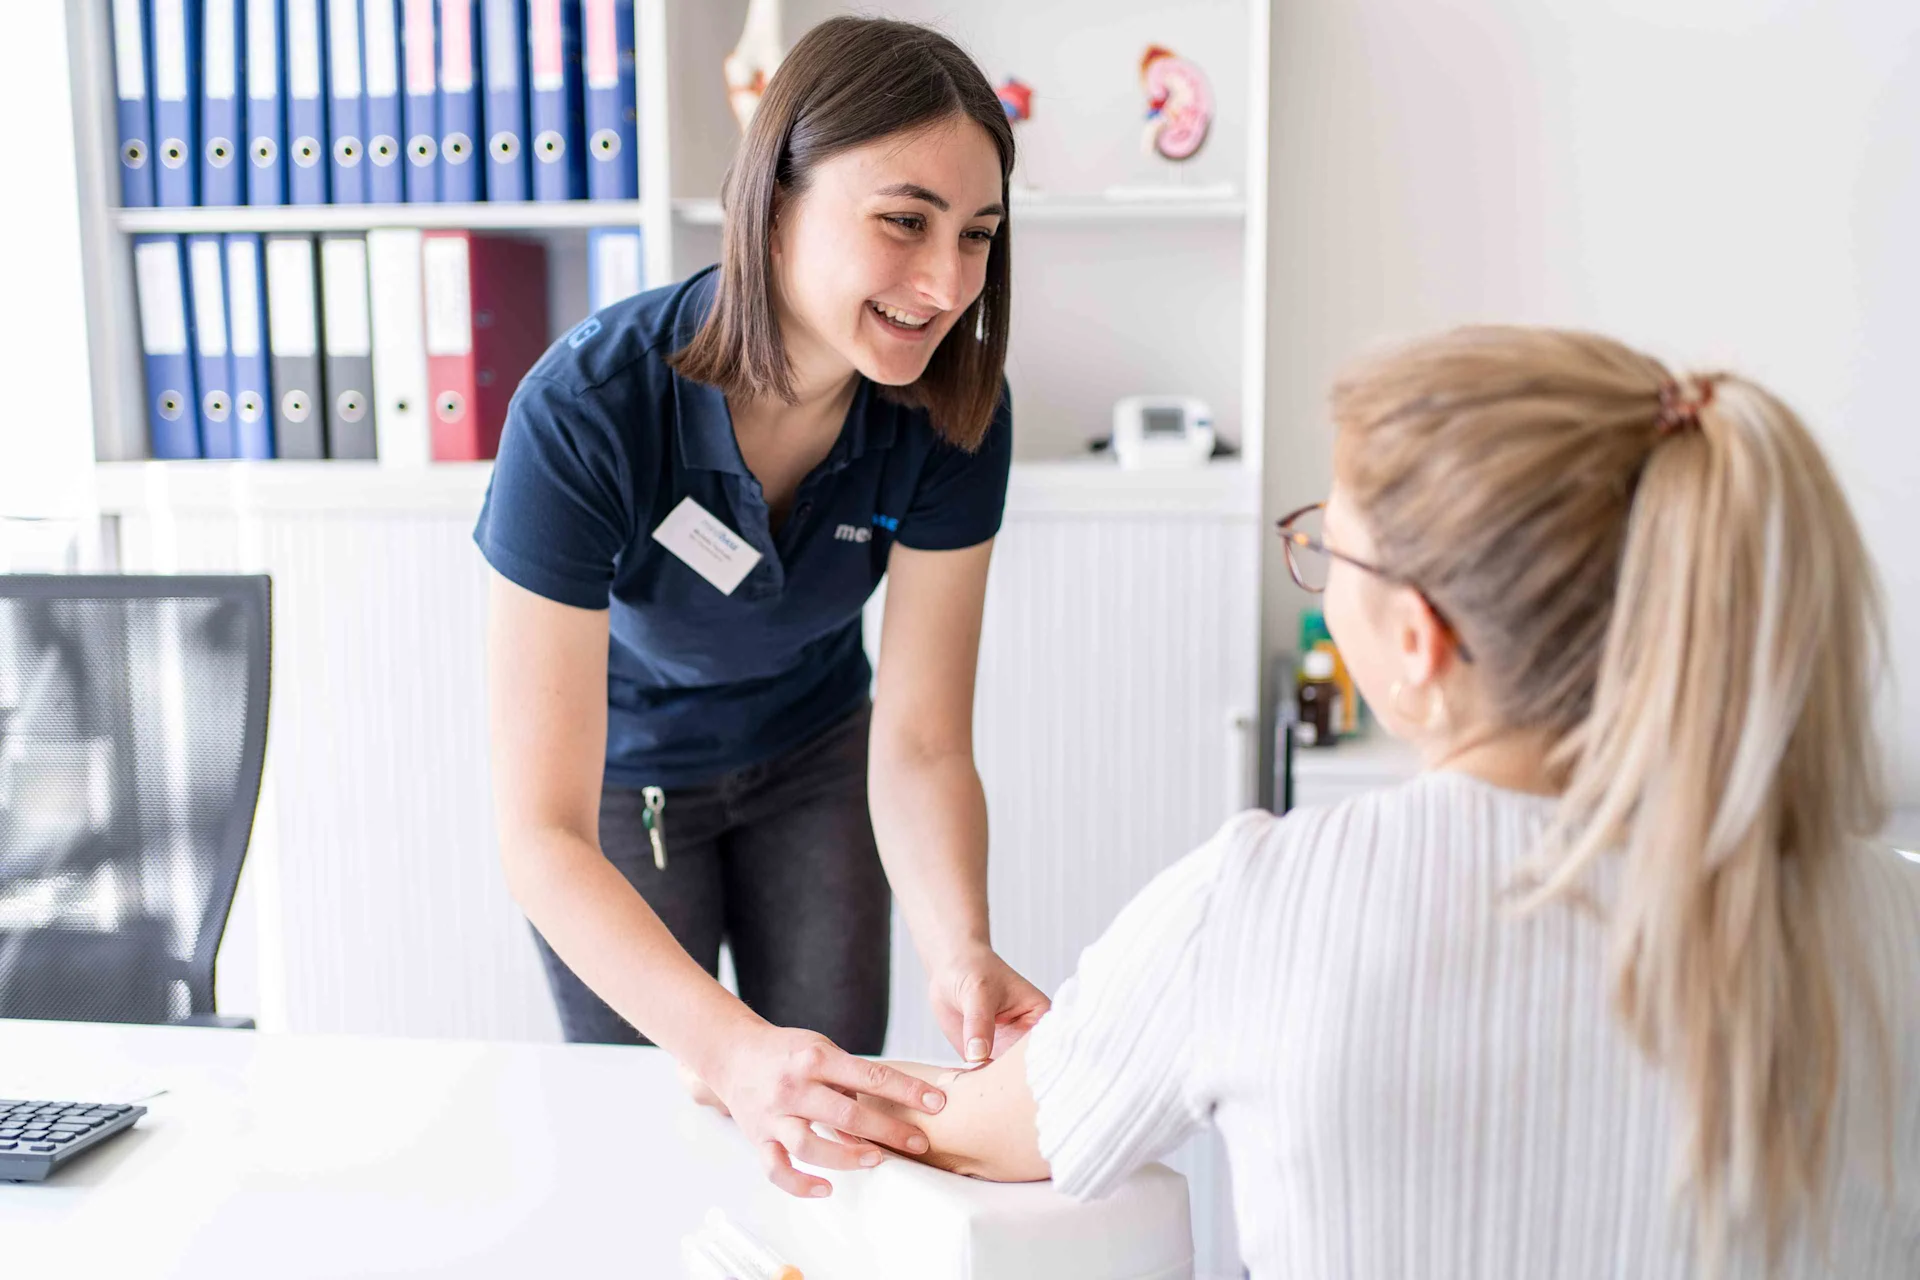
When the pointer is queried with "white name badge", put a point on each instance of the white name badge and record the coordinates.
(709, 548)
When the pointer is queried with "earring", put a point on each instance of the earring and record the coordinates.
(1435, 698)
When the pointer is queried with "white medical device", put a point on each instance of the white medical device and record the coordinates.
(1151, 432)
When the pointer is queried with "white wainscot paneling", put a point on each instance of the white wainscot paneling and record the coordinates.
(374, 887)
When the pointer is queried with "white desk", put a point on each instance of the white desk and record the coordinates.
(296, 1156)
(308, 1156)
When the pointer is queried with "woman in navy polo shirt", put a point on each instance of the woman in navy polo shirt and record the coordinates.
(696, 493)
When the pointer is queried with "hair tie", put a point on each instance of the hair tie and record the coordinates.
(1680, 411)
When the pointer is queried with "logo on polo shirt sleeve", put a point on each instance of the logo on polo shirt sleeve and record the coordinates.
(855, 533)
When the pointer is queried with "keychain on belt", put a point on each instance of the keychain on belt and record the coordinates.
(652, 818)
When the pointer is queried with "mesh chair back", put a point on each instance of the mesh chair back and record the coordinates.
(133, 726)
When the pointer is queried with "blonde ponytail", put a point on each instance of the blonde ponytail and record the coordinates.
(1673, 586)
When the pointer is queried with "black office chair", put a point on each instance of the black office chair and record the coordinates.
(133, 726)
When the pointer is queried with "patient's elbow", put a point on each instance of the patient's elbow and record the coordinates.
(1001, 1167)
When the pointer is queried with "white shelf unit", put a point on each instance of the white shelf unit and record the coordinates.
(1133, 274)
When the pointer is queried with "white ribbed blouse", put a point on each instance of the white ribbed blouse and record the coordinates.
(1412, 1081)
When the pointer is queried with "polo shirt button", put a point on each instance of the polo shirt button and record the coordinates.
(803, 510)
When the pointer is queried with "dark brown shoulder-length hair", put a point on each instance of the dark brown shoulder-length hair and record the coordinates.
(848, 82)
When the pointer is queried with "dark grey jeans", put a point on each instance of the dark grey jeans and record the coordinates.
(779, 861)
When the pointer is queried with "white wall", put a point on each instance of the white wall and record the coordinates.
(46, 426)
(1721, 181)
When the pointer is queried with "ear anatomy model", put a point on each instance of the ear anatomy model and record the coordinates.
(1179, 103)
(754, 60)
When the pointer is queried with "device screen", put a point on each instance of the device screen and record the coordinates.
(1162, 422)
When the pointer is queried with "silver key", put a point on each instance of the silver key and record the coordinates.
(653, 818)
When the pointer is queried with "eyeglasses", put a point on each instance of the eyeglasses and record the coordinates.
(1309, 559)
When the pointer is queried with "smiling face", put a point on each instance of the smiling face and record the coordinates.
(878, 257)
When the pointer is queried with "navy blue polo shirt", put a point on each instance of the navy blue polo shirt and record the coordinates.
(603, 439)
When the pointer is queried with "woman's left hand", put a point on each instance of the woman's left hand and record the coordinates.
(982, 1004)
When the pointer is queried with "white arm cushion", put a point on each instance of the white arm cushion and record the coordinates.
(906, 1219)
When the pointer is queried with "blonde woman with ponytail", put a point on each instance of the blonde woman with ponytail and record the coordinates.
(1621, 985)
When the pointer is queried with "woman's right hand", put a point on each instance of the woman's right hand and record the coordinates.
(779, 1081)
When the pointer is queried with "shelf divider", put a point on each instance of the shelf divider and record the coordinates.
(503, 216)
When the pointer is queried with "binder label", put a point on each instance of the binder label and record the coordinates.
(243, 297)
(163, 311)
(603, 47)
(503, 56)
(382, 50)
(170, 50)
(129, 51)
(449, 296)
(343, 289)
(419, 47)
(209, 298)
(263, 49)
(290, 309)
(544, 52)
(456, 46)
(343, 46)
(221, 64)
(303, 49)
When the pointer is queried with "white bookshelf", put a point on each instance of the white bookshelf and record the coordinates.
(1134, 275)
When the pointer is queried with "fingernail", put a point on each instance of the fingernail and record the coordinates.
(933, 1101)
(917, 1145)
(822, 1190)
(871, 1159)
(977, 1049)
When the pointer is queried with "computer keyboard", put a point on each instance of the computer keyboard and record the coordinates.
(38, 1137)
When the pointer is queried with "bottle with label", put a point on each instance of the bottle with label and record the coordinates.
(1320, 701)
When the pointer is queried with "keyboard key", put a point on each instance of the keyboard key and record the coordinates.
(58, 1138)
(9, 1145)
(10, 1133)
(41, 1147)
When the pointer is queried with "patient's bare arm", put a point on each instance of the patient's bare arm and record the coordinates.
(986, 1130)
